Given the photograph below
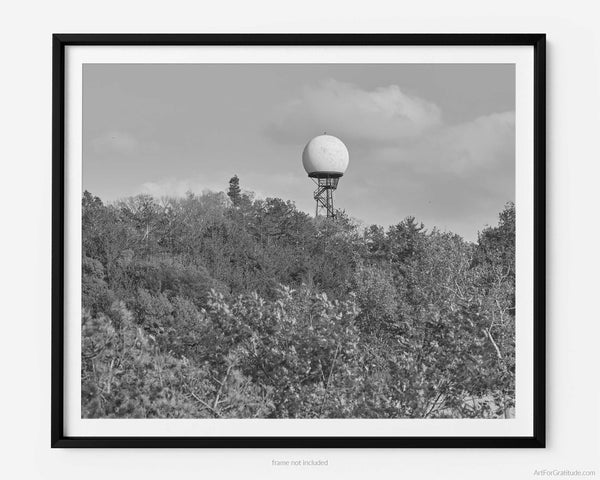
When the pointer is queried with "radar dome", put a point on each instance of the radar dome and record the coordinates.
(325, 156)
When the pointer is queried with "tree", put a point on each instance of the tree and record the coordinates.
(234, 192)
(219, 305)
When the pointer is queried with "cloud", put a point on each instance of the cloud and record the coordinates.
(115, 142)
(485, 143)
(404, 160)
(458, 177)
(173, 187)
(386, 115)
(259, 185)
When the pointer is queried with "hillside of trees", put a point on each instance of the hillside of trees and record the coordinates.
(217, 305)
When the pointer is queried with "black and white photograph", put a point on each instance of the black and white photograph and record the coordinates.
(298, 241)
(278, 240)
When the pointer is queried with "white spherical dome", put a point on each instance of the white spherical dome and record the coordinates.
(325, 155)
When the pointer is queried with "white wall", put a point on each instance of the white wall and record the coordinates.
(573, 231)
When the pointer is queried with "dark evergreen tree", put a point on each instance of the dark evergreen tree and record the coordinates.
(234, 192)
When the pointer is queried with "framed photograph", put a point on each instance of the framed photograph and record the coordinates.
(303, 240)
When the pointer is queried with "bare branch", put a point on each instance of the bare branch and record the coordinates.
(489, 335)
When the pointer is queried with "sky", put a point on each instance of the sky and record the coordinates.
(433, 141)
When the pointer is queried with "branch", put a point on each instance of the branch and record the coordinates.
(98, 350)
(489, 335)
(441, 387)
(203, 403)
(329, 378)
(222, 385)
(332, 366)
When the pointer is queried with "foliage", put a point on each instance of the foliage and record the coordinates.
(222, 306)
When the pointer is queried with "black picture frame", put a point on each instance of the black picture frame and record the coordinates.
(61, 41)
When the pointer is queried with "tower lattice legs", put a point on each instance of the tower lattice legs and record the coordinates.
(324, 195)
